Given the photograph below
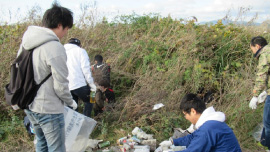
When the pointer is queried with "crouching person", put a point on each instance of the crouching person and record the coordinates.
(211, 133)
(108, 93)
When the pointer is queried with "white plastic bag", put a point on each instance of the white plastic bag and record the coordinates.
(157, 106)
(77, 130)
(141, 134)
(257, 132)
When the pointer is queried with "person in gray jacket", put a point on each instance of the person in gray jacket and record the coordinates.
(49, 56)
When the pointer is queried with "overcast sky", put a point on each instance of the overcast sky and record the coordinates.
(203, 10)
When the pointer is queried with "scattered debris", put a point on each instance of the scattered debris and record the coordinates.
(141, 134)
(139, 141)
(104, 144)
(157, 106)
(178, 132)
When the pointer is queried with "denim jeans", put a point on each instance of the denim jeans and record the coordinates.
(49, 130)
(265, 139)
(84, 94)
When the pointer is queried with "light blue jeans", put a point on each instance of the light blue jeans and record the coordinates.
(49, 130)
(265, 139)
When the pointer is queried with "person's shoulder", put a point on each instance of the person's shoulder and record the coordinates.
(265, 53)
(213, 124)
(54, 48)
(266, 50)
(54, 45)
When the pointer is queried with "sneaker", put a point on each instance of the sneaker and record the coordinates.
(262, 146)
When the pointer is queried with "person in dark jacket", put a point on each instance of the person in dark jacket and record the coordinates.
(101, 71)
(211, 133)
(109, 96)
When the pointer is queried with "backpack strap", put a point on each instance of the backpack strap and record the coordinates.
(45, 79)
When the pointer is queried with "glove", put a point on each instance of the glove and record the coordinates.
(74, 105)
(93, 87)
(166, 143)
(253, 103)
(262, 97)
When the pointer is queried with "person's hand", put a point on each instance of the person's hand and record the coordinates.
(98, 87)
(15, 107)
(166, 143)
(253, 103)
(262, 97)
(74, 105)
(93, 87)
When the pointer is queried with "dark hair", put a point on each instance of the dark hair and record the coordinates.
(98, 58)
(192, 101)
(74, 41)
(104, 83)
(57, 15)
(261, 41)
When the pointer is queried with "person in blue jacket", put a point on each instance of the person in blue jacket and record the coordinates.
(211, 133)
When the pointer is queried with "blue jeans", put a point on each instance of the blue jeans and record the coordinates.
(265, 139)
(49, 130)
(84, 94)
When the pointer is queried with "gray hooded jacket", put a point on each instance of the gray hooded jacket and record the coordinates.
(49, 56)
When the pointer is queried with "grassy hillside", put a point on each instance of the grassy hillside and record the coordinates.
(154, 60)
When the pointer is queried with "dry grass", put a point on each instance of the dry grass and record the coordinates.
(159, 60)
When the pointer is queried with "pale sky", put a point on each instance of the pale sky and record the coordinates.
(203, 10)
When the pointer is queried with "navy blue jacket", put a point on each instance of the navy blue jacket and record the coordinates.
(212, 136)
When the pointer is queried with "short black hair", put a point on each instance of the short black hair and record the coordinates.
(57, 15)
(261, 41)
(104, 83)
(192, 101)
(98, 58)
(74, 41)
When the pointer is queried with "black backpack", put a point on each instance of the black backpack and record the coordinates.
(102, 72)
(22, 87)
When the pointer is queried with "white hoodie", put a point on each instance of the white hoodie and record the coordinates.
(49, 56)
(209, 114)
(79, 69)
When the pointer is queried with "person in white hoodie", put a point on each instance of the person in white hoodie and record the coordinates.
(211, 133)
(46, 112)
(79, 75)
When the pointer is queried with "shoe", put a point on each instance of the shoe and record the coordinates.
(260, 145)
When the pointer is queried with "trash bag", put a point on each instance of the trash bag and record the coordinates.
(77, 130)
(257, 132)
(178, 132)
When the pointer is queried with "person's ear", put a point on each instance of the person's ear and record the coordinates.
(193, 111)
(257, 46)
(60, 26)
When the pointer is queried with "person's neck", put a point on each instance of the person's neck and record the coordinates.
(258, 52)
(197, 118)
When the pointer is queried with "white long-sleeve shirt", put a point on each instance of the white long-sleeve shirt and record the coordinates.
(79, 70)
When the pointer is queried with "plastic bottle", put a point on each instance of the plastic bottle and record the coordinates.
(92, 97)
(104, 144)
